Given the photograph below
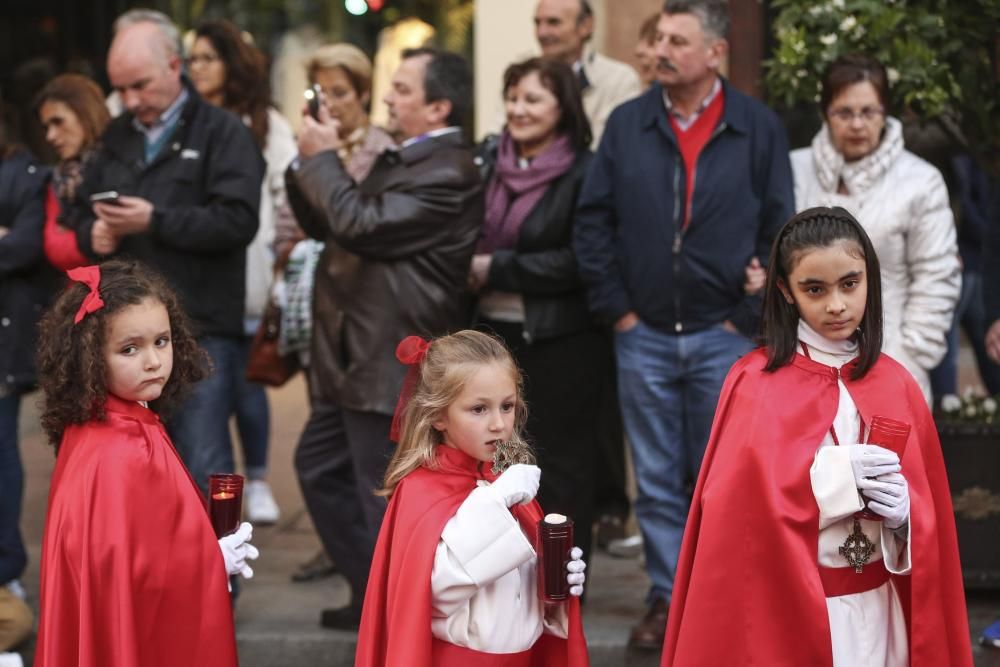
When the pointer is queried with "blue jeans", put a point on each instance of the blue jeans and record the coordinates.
(669, 386)
(200, 427)
(970, 315)
(13, 557)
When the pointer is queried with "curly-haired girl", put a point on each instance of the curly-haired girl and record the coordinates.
(453, 579)
(131, 568)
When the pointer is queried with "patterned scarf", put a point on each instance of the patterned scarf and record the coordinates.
(68, 174)
(513, 192)
(861, 175)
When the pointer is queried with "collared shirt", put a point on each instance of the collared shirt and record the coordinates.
(441, 131)
(685, 123)
(154, 132)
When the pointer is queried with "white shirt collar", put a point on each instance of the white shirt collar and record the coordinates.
(841, 349)
(430, 135)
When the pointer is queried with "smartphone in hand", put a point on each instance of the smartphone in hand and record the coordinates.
(313, 95)
(107, 197)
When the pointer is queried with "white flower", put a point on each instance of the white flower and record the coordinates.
(848, 23)
(859, 32)
(893, 75)
(829, 40)
(815, 10)
(801, 73)
(951, 403)
(989, 406)
(970, 411)
(839, 4)
(969, 392)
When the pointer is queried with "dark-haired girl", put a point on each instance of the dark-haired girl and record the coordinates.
(776, 557)
(132, 573)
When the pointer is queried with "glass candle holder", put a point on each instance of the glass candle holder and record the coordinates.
(225, 502)
(555, 541)
(891, 434)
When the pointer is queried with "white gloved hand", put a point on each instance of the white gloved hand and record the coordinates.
(236, 550)
(889, 497)
(870, 461)
(518, 484)
(575, 568)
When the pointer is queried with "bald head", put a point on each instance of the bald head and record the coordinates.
(145, 69)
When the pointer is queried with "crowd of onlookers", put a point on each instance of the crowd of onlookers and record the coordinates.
(614, 234)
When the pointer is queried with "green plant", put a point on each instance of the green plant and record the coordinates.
(940, 55)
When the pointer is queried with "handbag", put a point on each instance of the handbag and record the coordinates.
(266, 365)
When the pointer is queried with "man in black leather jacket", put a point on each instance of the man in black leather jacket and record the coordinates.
(404, 239)
(189, 176)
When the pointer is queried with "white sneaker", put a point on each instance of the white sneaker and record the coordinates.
(260, 504)
(11, 660)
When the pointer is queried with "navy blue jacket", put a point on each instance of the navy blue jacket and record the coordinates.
(632, 253)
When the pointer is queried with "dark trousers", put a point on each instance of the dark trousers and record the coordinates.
(13, 557)
(340, 461)
(611, 494)
(562, 387)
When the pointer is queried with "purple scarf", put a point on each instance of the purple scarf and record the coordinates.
(514, 192)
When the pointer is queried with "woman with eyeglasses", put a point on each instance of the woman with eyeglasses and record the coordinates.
(229, 72)
(858, 161)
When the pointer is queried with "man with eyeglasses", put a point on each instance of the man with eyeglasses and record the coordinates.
(187, 176)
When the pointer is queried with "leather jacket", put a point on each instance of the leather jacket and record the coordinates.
(399, 245)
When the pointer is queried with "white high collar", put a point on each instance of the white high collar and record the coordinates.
(842, 350)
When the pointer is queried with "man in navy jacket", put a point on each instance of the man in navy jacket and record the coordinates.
(688, 188)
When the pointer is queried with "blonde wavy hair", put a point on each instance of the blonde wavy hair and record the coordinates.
(450, 362)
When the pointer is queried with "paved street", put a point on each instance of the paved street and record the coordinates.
(277, 621)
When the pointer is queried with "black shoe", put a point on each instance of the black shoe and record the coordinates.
(342, 618)
(610, 527)
(318, 567)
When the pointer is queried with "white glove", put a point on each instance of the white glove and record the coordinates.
(870, 461)
(518, 484)
(889, 497)
(575, 567)
(236, 550)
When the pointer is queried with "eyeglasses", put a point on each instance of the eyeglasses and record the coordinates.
(867, 114)
(201, 59)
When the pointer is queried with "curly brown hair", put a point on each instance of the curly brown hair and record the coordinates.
(71, 365)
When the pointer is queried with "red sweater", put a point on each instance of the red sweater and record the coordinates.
(691, 141)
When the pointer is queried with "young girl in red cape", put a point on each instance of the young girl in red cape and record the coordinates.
(453, 580)
(777, 566)
(132, 573)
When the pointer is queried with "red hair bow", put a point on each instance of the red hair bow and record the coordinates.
(91, 277)
(411, 351)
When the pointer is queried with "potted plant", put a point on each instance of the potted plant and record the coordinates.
(969, 427)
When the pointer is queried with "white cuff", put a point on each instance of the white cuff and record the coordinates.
(895, 550)
(833, 485)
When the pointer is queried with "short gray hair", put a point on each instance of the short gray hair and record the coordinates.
(713, 14)
(171, 42)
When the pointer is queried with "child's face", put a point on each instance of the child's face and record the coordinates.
(830, 289)
(482, 413)
(138, 352)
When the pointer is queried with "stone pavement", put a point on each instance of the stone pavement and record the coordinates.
(277, 621)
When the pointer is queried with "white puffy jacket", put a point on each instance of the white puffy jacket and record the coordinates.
(902, 203)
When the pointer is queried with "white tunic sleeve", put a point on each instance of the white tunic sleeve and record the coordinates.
(833, 485)
(481, 543)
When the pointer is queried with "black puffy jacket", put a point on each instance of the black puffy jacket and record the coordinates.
(25, 280)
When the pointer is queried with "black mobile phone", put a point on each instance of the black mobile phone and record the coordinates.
(108, 197)
(313, 95)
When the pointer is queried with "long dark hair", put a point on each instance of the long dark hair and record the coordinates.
(819, 227)
(71, 369)
(246, 90)
(558, 79)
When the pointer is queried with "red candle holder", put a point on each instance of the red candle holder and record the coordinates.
(555, 541)
(225, 503)
(891, 434)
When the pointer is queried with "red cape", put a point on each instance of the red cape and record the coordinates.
(132, 575)
(747, 588)
(396, 621)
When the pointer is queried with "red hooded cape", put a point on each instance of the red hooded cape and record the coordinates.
(132, 575)
(747, 589)
(396, 620)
